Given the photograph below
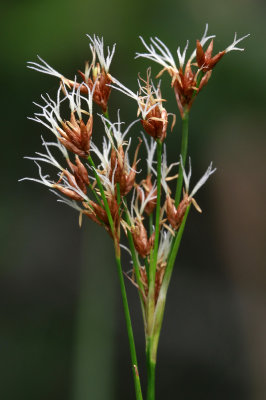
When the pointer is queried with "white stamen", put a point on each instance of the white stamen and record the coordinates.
(203, 40)
(97, 45)
(164, 57)
(182, 57)
(200, 183)
(45, 68)
(235, 42)
(150, 153)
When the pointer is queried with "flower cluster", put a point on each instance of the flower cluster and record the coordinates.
(102, 183)
(190, 76)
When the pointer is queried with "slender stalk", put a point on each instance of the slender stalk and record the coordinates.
(106, 114)
(160, 306)
(150, 224)
(153, 256)
(133, 253)
(158, 208)
(122, 286)
(106, 205)
(153, 340)
(184, 145)
(151, 362)
(150, 374)
(129, 331)
(95, 194)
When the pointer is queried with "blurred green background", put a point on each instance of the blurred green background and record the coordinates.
(62, 330)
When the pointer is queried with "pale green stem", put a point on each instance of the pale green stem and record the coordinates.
(151, 365)
(184, 145)
(160, 306)
(122, 286)
(153, 255)
(150, 224)
(151, 362)
(134, 254)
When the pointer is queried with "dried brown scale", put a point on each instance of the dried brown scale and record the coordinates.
(185, 82)
(159, 279)
(76, 135)
(176, 215)
(68, 192)
(85, 134)
(144, 280)
(82, 170)
(147, 185)
(80, 174)
(128, 180)
(119, 169)
(156, 123)
(101, 91)
(117, 164)
(92, 216)
(140, 238)
(160, 270)
(185, 86)
(97, 213)
(205, 61)
(156, 120)
(71, 147)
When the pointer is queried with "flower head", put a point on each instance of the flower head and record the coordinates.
(96, 75)
(73, 133)
(114, 159)
(150, 105)
(72, 185)
(176, 215)
(188, 78)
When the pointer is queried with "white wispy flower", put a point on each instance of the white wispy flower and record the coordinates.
(144, 102)
(139, 202)
(165, 245)
(67, 183)
(200, 183)
(97, 45)
(75, 99)
(235, 42)
(67, 201)
(45, 68)
(165, 170)
(159, 52)
(113, 130)
(203, 41)
(116, 140)
(104, 155)
(50, 115)
(150, 154)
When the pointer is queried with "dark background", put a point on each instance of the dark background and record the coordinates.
(62, 332)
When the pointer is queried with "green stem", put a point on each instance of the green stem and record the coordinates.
(157, 216)
(153, 255)
(106, 205)
(184, 145)
(160, 306)
(122, 286)
(129, 331)
(150, 224)
(158, 207)
(134, 254)
(95, 194)
(106, 114)
(151, 365)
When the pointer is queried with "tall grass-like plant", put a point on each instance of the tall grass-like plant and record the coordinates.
(102, 183)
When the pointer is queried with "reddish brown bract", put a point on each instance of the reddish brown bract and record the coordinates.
(76, 136)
